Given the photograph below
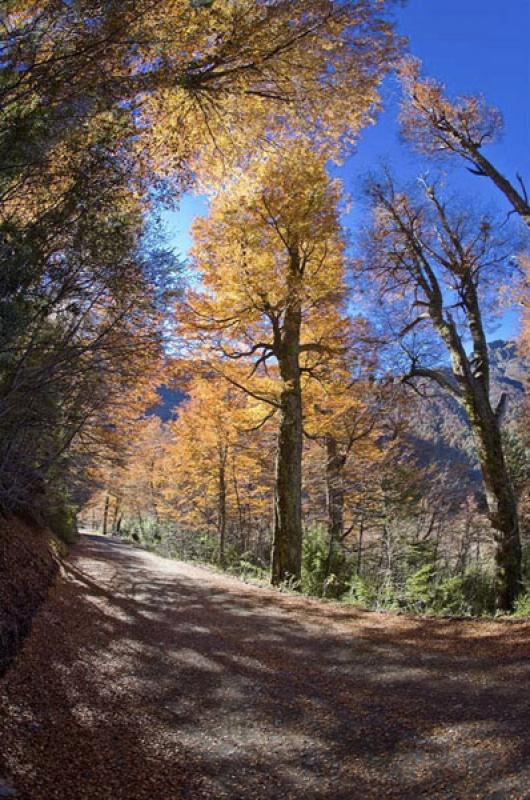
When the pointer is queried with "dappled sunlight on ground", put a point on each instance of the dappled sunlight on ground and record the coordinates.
(156, 679)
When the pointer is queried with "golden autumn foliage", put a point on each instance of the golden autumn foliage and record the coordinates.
(268, 316)
(207, 471)
(129, 477)
(216, 476)
(243, 252)
(110, 110)
(233, 77)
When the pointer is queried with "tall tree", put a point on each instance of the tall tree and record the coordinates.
(205, 438)
(97, 101)
(461, 127)
(214, 471)
(440, 267)
(231, 78)
(341, 411)
(271, 258)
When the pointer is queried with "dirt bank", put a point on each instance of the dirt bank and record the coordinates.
(28, 566)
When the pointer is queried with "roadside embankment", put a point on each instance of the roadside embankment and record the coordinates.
(29, 563)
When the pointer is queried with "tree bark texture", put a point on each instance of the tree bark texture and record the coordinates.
(501, 501)
(287, 524)
(221, 518)
(334, 496)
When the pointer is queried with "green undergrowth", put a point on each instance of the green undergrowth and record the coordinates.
(417, 583)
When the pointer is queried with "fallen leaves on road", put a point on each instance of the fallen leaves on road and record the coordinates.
(146, 678)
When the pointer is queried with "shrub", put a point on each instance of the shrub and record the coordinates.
(471, 594)
(387, 596)
(320, 578)
(248, 565)
(526, 564)
(247, 569)
(419, 588)
(362, 592)
(62, 522)
(522, 606)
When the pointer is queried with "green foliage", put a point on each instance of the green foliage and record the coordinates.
(426, 588)
(248, 570)
(388, 597)
(522, 606)
(429, 591)
(314, 560)
(465, 595)
(450, 595)
(246, 565)
(526, 564)
(362, 592)
(325, 573)
(419, 588)
(62, 522)
(421, 583)
(170, 542)
(418, 555)
(471, 594)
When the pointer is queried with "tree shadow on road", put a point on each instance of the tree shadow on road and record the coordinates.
(171, 677)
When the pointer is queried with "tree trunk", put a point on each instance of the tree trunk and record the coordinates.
(106, 514)
(140, 522)
(287, 526)
(500, 498)
(287, 531)
(242, 533)
(360, 548)
(221, 518)
(154, 503)
(115, 515)
(334, 489)
(334, 497)
(502, 506)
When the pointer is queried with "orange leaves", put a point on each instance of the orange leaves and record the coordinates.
(212, 435)
(271, 240)
(436, 124)
(232, 78)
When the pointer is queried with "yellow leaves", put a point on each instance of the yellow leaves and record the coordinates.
(239, 76)
(207, 88)
(243, 248)
(270, 242)
(213, 431)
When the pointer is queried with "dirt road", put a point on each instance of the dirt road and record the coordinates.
(148, 678)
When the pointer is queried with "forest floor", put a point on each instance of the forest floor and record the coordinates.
(149, 678)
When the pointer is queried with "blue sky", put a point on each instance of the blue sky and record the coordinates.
(472, 46)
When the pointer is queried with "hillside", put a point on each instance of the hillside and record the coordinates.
(441, 432)
(28, 566)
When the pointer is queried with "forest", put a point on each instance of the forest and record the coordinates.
(264, 407)
(298, 401)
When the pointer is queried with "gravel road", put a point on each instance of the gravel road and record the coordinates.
(145, 678)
